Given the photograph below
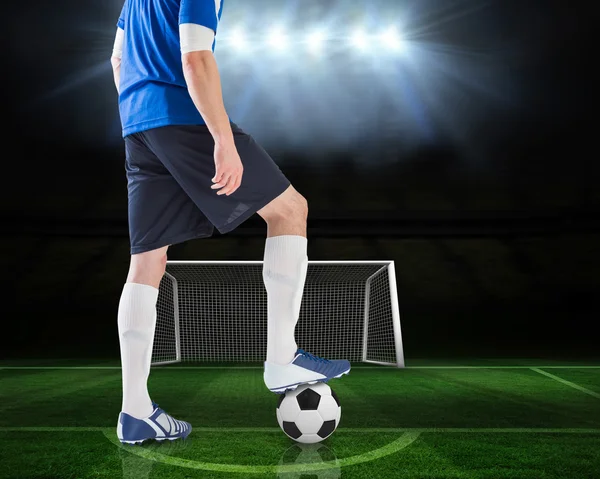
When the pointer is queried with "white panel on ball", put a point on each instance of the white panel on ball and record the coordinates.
(309, 422)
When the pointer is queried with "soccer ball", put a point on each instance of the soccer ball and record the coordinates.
(309, 413)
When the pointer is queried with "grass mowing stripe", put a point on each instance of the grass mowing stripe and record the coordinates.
(380, 368)
(353, 430)
(404, 441)
(567, 383)
(488, 367)
(53, 429)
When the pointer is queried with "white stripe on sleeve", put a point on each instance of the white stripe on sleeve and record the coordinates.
(217, 8)
(118, 46)
(195, 37)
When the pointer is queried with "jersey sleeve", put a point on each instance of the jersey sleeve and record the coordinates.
(200, 12)
(121, 22)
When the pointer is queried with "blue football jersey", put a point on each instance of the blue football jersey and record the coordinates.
(153, 91)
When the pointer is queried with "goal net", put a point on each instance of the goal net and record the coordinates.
(216, 311)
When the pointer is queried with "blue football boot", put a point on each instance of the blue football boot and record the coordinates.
(158, 426)
(305, 368)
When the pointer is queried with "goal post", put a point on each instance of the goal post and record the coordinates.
(167, 336)
(216, 311)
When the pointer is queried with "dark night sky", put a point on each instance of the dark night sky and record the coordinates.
(489, 116)
(514, 69)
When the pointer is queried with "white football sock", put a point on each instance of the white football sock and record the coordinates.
(137, 321)
(284, 274)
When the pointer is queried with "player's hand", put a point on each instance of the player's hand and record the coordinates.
(229, 169)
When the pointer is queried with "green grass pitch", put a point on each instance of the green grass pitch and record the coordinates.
(488, 420)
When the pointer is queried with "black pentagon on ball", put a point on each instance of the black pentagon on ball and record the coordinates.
(291, 429)
(334, 395)
(326, 429)
(308, 400)
(280, 400)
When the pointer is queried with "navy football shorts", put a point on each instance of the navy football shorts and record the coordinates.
(169, 179)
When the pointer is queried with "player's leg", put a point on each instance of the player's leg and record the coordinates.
(284, 271)
(140, 418)
(284, 274)
(136, 323)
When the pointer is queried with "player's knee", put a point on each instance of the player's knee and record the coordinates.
(292, 207)
(158, 264)
(297, 209)
(148, 268)
(301, 207)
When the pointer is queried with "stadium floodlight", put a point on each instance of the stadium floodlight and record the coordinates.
(238, 39)
(315, 41)
(278, 39)
(391, 39)
(217, 311)
(359, 39)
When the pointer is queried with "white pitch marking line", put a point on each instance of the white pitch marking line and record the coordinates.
(366, 430)
(567, 383)
(380, 368)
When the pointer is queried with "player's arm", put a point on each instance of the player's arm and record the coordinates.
(203, 79)
(204, 85)
(115, 58)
